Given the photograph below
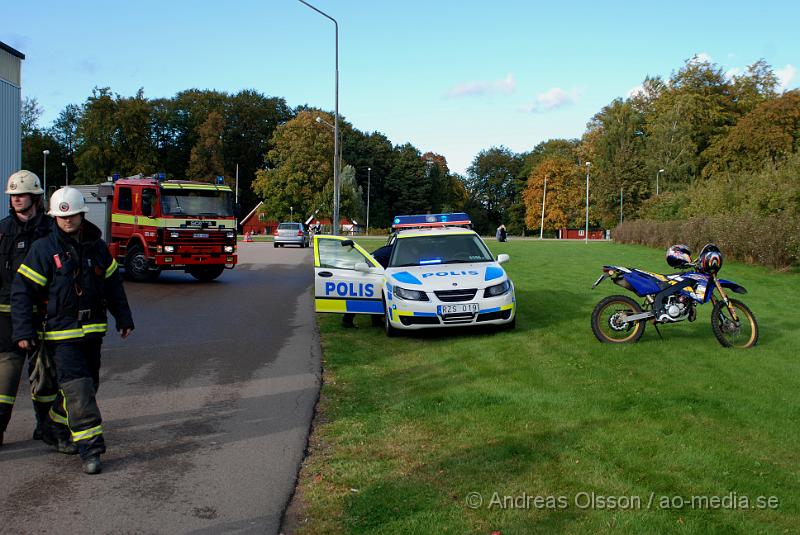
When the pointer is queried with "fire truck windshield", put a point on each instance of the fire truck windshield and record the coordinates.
(196, 203)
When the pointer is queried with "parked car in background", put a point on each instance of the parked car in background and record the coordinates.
(290, 233)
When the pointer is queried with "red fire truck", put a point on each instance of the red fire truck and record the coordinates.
(151, 225)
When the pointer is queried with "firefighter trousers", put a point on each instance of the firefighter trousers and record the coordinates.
(12, 362)
(75, 415)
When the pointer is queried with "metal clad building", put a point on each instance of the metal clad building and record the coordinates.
(10, 116)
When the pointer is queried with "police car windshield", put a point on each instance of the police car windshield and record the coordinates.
(440, 249)
(196, 203)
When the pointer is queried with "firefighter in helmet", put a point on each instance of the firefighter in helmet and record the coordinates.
(25, 224)
(72, 270)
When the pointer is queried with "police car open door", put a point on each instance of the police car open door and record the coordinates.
(346, 277)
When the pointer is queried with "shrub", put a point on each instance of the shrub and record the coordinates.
(767, 240)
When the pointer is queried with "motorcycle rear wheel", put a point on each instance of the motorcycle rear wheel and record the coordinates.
(605, 324)
(729, 333)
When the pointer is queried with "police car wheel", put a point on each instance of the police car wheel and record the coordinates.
(391, 332)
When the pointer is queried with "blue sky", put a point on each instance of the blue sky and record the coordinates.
(452, 77)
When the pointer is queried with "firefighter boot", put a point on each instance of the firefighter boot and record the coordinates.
(53, 436)
(92, 465)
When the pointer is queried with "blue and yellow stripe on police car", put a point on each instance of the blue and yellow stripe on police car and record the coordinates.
(32, 274)
(354, 306)
(509, 306)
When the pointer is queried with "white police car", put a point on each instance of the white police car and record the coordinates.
(439, 274)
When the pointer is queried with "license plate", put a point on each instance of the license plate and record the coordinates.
(200, 235)
(461, 308)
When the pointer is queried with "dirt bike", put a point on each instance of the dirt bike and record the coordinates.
(671, 299)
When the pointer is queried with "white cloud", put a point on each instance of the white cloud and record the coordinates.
(785, 76)
(635, 91)
(702, 57)
(733, 71)
(506, 86)
(550, 100)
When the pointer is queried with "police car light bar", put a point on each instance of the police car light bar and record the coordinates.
(431, 220)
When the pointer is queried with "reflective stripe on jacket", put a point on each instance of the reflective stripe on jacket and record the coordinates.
(78, 280)
(16, 239)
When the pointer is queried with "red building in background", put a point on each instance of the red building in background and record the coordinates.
(257, 222)
(580, 234)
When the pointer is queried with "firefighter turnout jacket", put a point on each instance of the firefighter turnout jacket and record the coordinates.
(16, 238)
(78, 279)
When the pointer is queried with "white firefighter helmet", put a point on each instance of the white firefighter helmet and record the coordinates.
(24, 182)
(66, 202)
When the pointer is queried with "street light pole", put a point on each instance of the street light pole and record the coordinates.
(588, 164)
(544, 196)
(336, 184)
(66, 171)
(369, 177)
(237, 184)
(291, 214)
(658, 173)
(44, 174)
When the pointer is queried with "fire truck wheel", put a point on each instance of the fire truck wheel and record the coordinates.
(206, 273)
(137, 266)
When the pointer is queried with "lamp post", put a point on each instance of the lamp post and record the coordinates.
(320, 120)
(544, 196)
(291, 214)
(586, 238)
(45, 152)
(66, 172)
(335, 125)
(658, 173)
(369, 176)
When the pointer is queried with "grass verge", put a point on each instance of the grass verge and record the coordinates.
(538, 430)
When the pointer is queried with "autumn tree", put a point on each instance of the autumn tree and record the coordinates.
(563, 203)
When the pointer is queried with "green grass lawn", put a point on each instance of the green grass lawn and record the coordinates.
(408, 428)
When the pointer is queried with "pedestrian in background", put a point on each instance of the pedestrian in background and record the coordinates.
(72, 270)
(25, 224)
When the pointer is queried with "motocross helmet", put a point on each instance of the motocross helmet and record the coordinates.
(679, 256)
(710, 260)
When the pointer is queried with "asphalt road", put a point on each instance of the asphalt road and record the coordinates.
(206, 411)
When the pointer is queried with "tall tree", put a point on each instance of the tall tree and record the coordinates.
(96, 156)
(407, 186)
(206, 161)
(618, 163)
(493, 184)
(562, 206)
(767, 136)
(299, 166)
(133, 144)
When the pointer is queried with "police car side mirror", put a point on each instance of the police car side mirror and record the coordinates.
(363, 267)
(503, 258)
(347, 243)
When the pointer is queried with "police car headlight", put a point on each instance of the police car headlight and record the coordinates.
(410, 295)
(169, 248)
(498, 289)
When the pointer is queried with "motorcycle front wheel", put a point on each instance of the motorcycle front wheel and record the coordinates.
(739, 334)
(606, 320)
